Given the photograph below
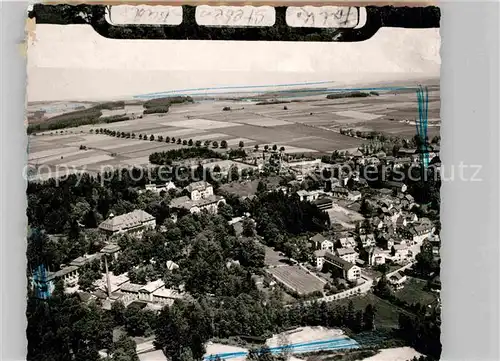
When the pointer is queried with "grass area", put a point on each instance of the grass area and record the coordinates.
(414, 292)
(386, 316)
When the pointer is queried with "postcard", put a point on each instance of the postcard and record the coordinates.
(233, 182)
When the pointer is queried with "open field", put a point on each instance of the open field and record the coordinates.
(310, 126)
(386, 315)
(297, 279)
(413, 292)
(343, 216)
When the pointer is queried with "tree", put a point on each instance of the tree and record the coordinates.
(179, 141)
(382, 289)
(180, 327)
(282, 149)
(207, 143)
(261, 187)
(215, 144)
(167, 139)
(223, 144)
(241, 144)
(118, 312)
(140, 136)
(248, 227)
(184, 142)
(275, 147)
(138, 322)
(133, 135)
(124, 349)
(393, 251)
(198, 143)
(160, 138)
(266, 148)
(226, 211)
(172, 140)
(369, 318)
(190, 142)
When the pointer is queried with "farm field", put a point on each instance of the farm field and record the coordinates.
(297, 279)
(305, 127)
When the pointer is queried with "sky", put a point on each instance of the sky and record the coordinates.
(72, 62)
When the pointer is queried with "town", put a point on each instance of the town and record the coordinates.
(304, 230)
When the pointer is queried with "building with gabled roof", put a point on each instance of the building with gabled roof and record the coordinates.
(199, 190)
(133, 222)
(348, 270)
(347, 254)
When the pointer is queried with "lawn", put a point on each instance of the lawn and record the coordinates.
(414, 292)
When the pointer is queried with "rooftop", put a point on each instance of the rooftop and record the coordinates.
(344, 264)
(152, 286)
(345, 251)
(80, 261)
(187, 203)
(320, 253)
(110, 248)
(167, 293)
(198, 186)
(64, 271)
(127, 220)
(318, 238)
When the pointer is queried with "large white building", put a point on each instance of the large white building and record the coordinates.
(134, 222)
(199, 190)
(348, 270)
(201, 197)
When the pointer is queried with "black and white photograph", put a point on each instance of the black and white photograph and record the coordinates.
(233, 183)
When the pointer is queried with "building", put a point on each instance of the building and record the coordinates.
(347, 254)
(166, 296)
(320, 258)
(354, 196)
(323, 203)
(319, 242)
(308, 196)
(134, 292)
(349, 271)
(367, 240)
(134, 222)
(339, 192)
(397, 280)
(111, 251)
(158, 188)
(347, 242)
(420, 231)
(115, 282)
(400, 187)
(405, 152)
(69, 275)
(85, 259)
(209, 204)
(201, 198)
(376, 256)
(199, 190)
(402, 253)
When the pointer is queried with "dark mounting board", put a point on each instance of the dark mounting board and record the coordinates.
(377, 17)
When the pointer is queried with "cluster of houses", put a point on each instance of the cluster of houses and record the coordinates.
(201, 197)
